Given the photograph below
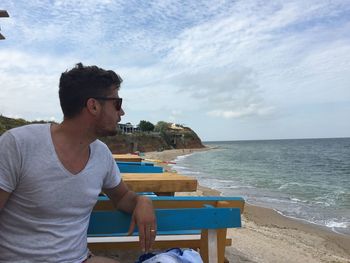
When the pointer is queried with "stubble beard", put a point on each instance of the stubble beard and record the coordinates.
(103, 131)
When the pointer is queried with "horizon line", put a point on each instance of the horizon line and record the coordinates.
(275, 139)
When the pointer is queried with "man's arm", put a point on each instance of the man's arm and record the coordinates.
(3, 198)
(141, 209)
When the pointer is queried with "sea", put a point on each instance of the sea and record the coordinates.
(307, 179)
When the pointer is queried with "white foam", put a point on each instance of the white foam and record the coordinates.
(334, 224)
(181, 157)
(189, 172)
(238, 187)
(296, 200)
(286, 185)
(178, 167)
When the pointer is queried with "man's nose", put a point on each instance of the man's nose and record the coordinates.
(121, 112)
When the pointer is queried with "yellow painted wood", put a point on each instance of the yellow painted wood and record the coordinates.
(159, 182)
(203, 249)
(194, 244)
(221, 235)
(127, 158)
(107, 204)
(164, 244)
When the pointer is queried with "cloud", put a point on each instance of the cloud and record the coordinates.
(226, 60)
(29, 84)
(249, 110)
(233, 91)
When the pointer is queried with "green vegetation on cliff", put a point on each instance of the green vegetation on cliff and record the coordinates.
(9, 123)
(161, 136)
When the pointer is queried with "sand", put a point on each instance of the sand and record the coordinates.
(266, 236)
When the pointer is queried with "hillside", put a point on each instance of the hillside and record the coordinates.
(165, 138)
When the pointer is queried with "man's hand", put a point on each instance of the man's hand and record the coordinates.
(145, 219)
(142, 211)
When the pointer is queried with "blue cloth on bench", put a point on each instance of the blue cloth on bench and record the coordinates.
(174, 255)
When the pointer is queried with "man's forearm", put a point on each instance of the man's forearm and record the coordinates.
(128, 202)
(125, 200)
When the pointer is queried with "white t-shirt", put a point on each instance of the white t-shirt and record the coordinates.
(46, 216)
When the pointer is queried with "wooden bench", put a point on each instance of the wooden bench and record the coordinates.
(138, 167)
(198, 222)
(127, 158)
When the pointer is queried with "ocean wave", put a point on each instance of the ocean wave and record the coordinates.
(189, 172)
(334, 224)
(175, 166)
(321, 203)
(305, 191)
(181, 157)
(238, 187)
(224, 181)
(296, 200)
(287, 185)
(332, 198)
(184, 170)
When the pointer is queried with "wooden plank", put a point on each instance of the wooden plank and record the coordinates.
(159, 182)
(113, 222)
(162, 242)
(127, 158)
(204, 246)
(139, 168)
(136, 238)
(134, 163)
(181, 202)
(221, 235)
(212, 246)
(166, 244)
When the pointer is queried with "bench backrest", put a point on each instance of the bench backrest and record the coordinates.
(105, 223)
(139, 168)
(135, 163)
(181, 202)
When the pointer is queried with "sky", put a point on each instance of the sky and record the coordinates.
(230, 70)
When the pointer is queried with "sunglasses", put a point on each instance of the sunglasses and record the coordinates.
(118, 101)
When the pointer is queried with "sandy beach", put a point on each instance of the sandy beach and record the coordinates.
(267, 236)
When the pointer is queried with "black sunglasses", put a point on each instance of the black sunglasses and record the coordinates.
(118, 101)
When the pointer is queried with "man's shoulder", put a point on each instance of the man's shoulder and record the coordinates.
(28, 129)
(98, 144)
(101, 149)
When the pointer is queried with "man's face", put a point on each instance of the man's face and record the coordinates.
(110, 115)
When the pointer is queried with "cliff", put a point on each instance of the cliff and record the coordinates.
(153, 141)
(164, 139)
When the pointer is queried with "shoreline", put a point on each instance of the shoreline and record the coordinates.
(268, 236)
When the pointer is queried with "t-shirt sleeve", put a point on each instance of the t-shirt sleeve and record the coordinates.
(10, 162)
(113, 177)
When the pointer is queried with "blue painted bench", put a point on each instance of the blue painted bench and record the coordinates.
(138, 167)
(135, 163)
(198, 222)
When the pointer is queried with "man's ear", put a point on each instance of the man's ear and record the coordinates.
(93, 106)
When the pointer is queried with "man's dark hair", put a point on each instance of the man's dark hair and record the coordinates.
(81, 83)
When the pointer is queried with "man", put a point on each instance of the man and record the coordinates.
(51, 175)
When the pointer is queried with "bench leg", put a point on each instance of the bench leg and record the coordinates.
(221, 234)
(203, 250)
(213, 246)
(206, 249)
